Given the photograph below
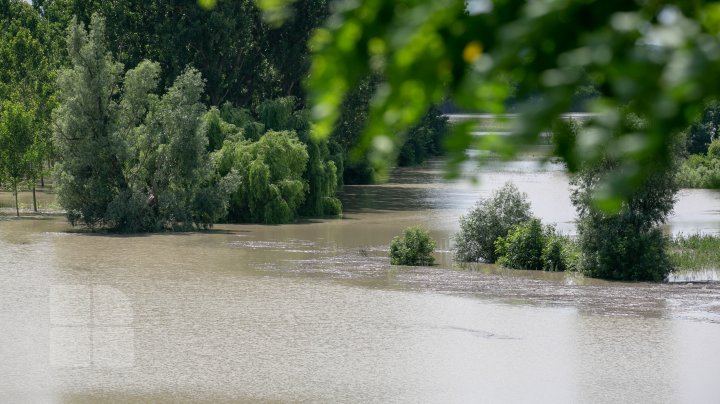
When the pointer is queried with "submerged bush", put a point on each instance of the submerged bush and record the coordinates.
(560, 253)
(490, 219)
(530, 245)
(415, 247)
(616, 250)
(523, 246)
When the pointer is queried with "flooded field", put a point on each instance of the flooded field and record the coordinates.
(314, 312)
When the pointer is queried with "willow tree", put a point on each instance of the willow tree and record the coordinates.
(266, 177)
(321, 173)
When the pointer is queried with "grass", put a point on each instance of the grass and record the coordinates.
(695, 252)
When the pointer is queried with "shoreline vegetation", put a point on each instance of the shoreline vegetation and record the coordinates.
(689, 253)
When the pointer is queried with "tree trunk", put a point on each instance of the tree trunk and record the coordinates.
(17, 208)
(34, 200)
(42, 181)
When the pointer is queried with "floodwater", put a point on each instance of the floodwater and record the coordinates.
(314, 312)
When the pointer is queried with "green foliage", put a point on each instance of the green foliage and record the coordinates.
(490, 219)
(523, 246)
(90, 174)
(321, 172)
(17, 154)
(347, 131)
(424, 140)
(704, 130)
(29, 55)
(415, 247)
(299, 175)
(321, 176)
(421, 142)
(530, 245)
(242, 119)
(628, 245)
(131, 160)
(476, 51)
(217, 129)
(243, 59)
(700, 171)
(269, 186)
(613, 249)
(695, 252)
(560, 253)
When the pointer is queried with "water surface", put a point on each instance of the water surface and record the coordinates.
(314, 312)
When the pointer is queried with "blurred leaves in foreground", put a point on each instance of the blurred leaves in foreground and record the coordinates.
(653, 60)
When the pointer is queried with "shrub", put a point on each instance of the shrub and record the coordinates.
(701, 170)
(523, 246)
(415, 247)
(560, 253)
(616, 250)
(530, 245)
(489, 219)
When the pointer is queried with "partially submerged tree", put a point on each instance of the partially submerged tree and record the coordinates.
(131, 160)
(630, 244)
(490, 219)
(16, 146)
(266, 177)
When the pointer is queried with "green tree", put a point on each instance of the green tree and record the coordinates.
(29, 56)
(628, 245)
(182, 166)
(16, 146)
(266, 177)
(90, 172)
(346, 133)
(321, 172)
(243, 59)
(424, 139)
(703, 131)
(489, 220)
(131, 160)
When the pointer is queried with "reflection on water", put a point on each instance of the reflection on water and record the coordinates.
(313, 312)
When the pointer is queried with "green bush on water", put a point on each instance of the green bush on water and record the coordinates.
(490, 219)
(414, 247)
(530, 245)
(522, 248)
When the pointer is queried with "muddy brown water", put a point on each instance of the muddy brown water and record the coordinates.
(314, 312)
